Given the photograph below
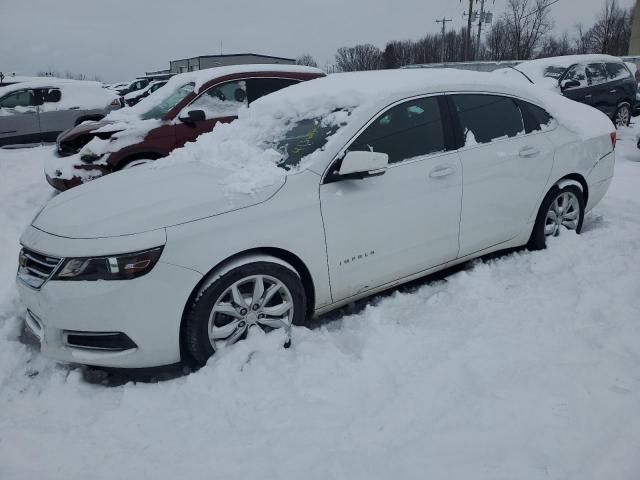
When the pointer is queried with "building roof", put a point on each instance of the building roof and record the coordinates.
(237, 55)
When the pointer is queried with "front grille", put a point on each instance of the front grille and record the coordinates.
(35, 268)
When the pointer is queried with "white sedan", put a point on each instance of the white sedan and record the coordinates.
(322, 193)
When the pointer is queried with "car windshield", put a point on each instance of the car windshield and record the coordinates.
(306, 136)
(161, 109)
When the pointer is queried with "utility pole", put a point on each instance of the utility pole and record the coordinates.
(444, 31)
(467, 40)
(480, 19)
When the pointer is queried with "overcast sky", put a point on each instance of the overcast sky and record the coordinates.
(119, 39)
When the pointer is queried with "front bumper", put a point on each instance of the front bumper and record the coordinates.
(146, 310)
(64, 173)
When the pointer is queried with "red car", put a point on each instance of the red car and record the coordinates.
(189, 105)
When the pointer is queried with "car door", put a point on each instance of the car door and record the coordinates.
(506, 166)
(383, 228)
(605, 97)
(583, 92)
(220, 103)
(55, 115)
(622, 83)
(19, 118)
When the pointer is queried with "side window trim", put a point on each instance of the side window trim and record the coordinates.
(446, 121)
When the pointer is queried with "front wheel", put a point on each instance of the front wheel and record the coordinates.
(622, 117)
(561, 209)
(258, 296)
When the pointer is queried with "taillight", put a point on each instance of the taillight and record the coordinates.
(614, 138)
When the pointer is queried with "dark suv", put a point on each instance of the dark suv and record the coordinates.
(189, 105)
(602, 81)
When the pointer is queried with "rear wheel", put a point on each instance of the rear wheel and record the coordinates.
(562, 209)
(256, 297)
(622, 117)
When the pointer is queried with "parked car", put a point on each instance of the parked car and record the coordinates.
(189, 105)
(134, 97)
(38, 111)
(320, 194)
(602, 81)
(133, 86)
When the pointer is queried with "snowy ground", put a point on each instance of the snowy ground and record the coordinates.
(521, 367)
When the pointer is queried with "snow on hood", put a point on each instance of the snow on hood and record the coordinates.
(245, 149)
(143, 199)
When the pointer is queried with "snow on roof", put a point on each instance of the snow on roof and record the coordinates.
(535, 69)
(76, 93)
(244, 148)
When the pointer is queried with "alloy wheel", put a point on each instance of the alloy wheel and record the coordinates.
(622, 116)
(258, 302)
(564, 211)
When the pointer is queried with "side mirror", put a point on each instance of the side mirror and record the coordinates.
(565, 84)
(363, 164)
(194, 116)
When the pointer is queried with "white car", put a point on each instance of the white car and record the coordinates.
(320, 194)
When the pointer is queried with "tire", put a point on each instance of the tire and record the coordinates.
(243, 316)
(546, 225)
(622, 117)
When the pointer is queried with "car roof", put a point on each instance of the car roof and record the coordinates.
(50, 83)
(201, 77)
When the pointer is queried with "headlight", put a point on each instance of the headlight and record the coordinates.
(113, 267)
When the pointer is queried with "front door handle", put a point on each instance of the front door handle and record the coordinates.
(441, 171)
(613, 91)
(528, 152)
(588, 96)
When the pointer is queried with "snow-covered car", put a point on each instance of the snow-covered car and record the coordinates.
(320, 194)
(602, 81)
(39, 110)
(133, 86)
(134, 97)
(189, 105)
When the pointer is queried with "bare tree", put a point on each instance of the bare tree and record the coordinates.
(307, 60)
(528, 21)
(555, 46)
(611, 31)
(360, 57)
(498, 44)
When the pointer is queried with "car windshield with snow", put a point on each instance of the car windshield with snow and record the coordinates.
(188, 105)
(318, 195)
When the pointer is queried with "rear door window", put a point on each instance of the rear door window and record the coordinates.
(259, 87)
(596, 74)
(617, 71)
(408, 130)
(487, 118)
(536, 118)
(224, 100)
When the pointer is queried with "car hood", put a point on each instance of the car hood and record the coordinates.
(82, 129)
(145, 198)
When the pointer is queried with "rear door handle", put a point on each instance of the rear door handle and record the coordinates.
(613, 91)
(441, 171)
(588, 96)
(528, 152)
